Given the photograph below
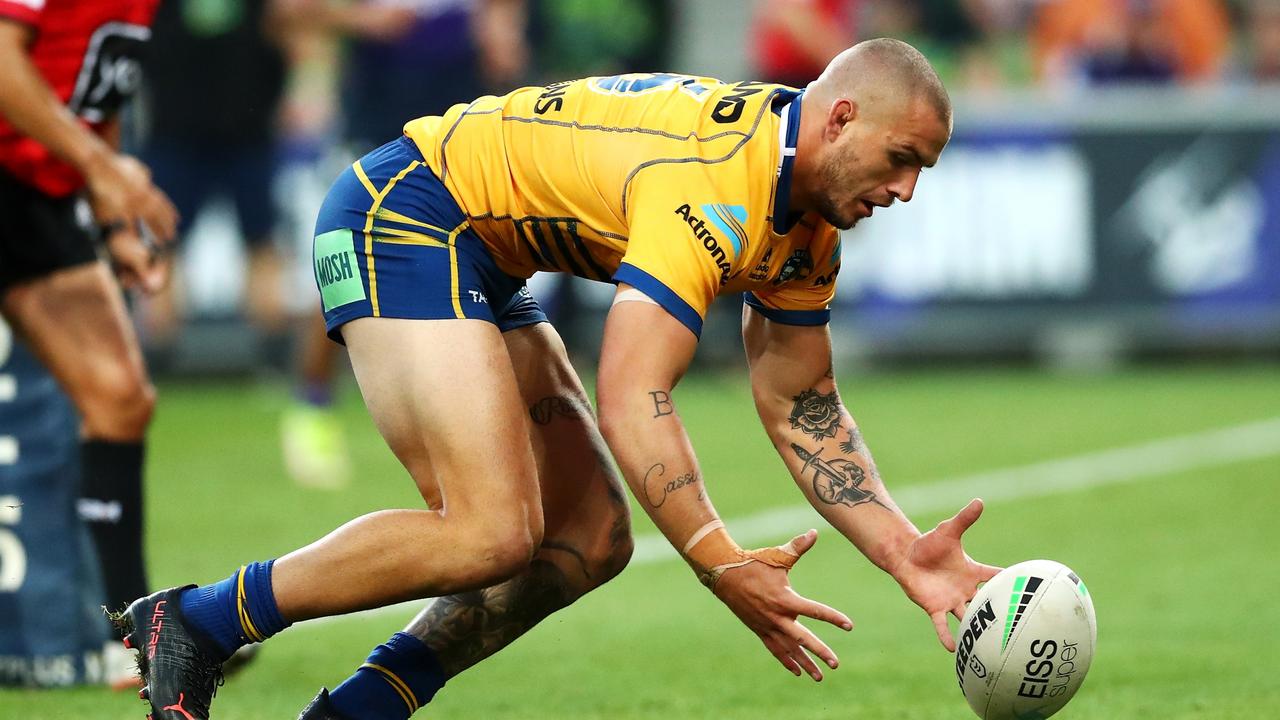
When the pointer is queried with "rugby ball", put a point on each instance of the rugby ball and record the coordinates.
(1026, 642)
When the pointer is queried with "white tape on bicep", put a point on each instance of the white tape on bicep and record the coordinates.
(633, 295)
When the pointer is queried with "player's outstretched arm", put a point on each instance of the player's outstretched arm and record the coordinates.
(120, 188)
(795, 394)
(645, 352)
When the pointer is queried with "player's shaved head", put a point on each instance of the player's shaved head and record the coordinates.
(882, 73)
(874, 119)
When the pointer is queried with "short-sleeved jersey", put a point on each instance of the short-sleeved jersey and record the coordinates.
(87, 50)
(673, 184)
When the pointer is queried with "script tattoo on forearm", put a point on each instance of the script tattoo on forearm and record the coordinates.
(656, 490)
(661, 403)
(836, 482)
(545, 410)
(816, 414)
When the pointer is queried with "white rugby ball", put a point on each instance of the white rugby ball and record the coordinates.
(1026, 642)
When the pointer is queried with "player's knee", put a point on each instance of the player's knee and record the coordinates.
(612, 556)
(119, 403)
(502, 547)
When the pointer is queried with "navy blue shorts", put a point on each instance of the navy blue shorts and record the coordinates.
(392, 242)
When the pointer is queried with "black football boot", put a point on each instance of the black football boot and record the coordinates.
(321, 709)
(180, 673)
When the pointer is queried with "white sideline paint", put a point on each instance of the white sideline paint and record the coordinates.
(1180, 453)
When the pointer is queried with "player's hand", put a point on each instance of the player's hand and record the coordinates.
(937, 574)
(762, 598)
(138, 219)
(138, 263)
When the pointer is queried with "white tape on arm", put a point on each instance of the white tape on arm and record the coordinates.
(633, 295)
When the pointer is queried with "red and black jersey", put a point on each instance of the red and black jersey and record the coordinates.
(88, 51)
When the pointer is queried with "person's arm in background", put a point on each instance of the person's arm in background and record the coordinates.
(365, 20)
(499, 28)
(644, 354)
(796, 397)
(809, 31)
(120, 189)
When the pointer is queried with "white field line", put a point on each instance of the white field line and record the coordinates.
(1194, 451)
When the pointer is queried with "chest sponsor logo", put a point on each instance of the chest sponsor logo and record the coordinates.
(760, 272)
(111, 71)
(336, 271)
(728, 219)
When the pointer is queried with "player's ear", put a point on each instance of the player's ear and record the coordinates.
(843, 111)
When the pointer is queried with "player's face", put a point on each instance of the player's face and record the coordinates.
(877, 159)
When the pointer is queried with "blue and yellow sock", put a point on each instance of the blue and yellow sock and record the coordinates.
(398, 678)
(236, 611)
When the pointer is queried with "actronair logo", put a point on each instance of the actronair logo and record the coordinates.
(728, 219)
(1024, 588)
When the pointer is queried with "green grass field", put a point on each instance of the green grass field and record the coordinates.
(1180, 565)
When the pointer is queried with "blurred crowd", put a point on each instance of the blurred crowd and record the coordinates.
(991, 44)
(257, 104)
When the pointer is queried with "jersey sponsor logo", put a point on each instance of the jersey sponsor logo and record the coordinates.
(730, 220)
(710, 243)
(797, 267)
(764, 267)
(336, 270)
(824, 280)
(111, 72)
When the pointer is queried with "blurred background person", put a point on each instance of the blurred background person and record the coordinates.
(66, 189)
(793, 40)
(401, 59)
(215, 80)
(1150, 41)
(1261, 46)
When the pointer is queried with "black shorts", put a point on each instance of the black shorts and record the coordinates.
(39, 234)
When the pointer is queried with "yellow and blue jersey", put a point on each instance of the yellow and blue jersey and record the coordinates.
(677, 185)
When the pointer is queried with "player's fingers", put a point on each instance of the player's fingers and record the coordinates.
(944, 633)
(959, 610)
(825, 613)
(794, 648)
(776, 649)
(986, 572)
(801, 543)
(962, 520)
(807, 640)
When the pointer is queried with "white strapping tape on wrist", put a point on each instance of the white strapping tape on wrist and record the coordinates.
(701, 532)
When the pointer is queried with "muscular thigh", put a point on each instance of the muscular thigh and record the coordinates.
(584, 504)
(444, 397)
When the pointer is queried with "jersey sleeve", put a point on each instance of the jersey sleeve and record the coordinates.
(805, 300)
(678, 250)
(23, 11)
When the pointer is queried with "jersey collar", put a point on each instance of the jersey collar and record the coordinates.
(787, 106)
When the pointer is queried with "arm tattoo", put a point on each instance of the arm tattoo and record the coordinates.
(815, 414)
(854, 443)
(546, 409)
(661, 403)
(656, 491)
(836, 482)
